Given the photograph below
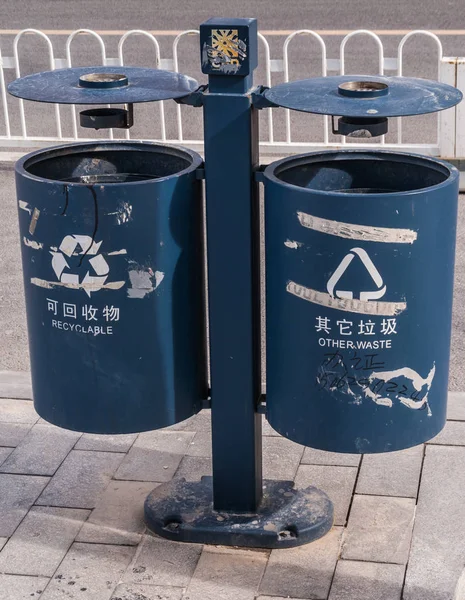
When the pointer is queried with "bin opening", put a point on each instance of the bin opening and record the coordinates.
(108, 163)
(362, 172)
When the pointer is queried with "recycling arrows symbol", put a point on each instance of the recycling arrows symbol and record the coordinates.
(370, 267)
(87, 246)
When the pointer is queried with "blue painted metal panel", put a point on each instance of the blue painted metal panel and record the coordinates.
(111, 242)
(359, 277)
(62, 86)
(406, 96)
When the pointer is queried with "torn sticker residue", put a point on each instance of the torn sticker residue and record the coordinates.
(365, 307)
(417, 381)
(25, 206)
(292, 244)
(352, 231)
(123, 213)
(34, 219)
(89, 284)
(143, 282)
(32, 244)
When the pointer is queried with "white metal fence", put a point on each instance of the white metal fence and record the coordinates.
(280, 139)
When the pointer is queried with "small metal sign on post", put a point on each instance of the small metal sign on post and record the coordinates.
(359, 253)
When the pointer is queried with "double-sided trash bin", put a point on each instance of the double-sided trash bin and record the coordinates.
(111, 241)
(359, 276)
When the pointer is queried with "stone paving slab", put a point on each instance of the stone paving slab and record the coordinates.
(305, 571)
(18, 411)
(227, 574)
(456, 406)
(118, 517)
(41, 452)
(44, 537)
(3, 541)
(138, 591)
(162, 562)
(155, 456)
(11, 434)
(437, 556)
(337, 482)
(379, 529)
(453, 434)
(20, 587)
(90, 572)
(81, 478)
(18, 494)
(391, 474)
(281, 458)
(4, 454)
(15, 384)
(106, 443)
(313, 456)
(355, 580)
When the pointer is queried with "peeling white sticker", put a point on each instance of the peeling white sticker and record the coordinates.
(89, 284)
(25, 206)
(358, 232)
(142, 282)
(32, 244)
(365, 307)
(293, 245)
(116, 252)
(417, 381)
(34, 219)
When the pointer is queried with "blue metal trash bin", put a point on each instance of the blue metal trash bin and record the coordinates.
(112, 251)
(360, 252)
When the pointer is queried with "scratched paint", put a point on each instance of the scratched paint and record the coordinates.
(353, 305)
(352, 231)
(87, 286)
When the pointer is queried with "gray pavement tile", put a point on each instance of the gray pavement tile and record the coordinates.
(275, 598)
(21, 587)
(305, 571)
(312, 456)
(81, 479)
(41, 541)
(90, 572)
(3, 541)
(106, 443)
(227, 574)
(19, 493)
(193, 468)
(199, 422)
(437, 555)
(201, 444)
(453, 434)
(118, 517)
(4, 454)
(356, 580)
(15, 384)
(11, 434)
(337, 482)
(155, 456)
(41, 452)
(146, 592)
(17, 411)
(163, 562)
(391, 474)
(267, 429)
(281, 458)
(379, 529)
(456, 406)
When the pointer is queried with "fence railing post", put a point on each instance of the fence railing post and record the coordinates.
(447, 137)
(460, 110)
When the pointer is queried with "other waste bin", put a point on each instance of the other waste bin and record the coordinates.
(359, 278)
(111, 241)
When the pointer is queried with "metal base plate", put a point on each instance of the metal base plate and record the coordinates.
(183, 511)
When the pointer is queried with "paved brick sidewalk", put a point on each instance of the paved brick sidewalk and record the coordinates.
(71, 517)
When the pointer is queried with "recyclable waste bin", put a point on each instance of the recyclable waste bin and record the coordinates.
(359, 275)
(111, 242)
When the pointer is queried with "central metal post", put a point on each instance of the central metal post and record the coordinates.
(229, 56)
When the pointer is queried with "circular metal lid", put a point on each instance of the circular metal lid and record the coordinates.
(102, 85)
(364, 96)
